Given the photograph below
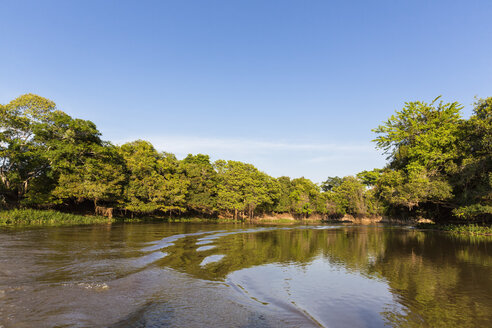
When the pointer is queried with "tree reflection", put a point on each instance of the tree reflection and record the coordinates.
(438, 279)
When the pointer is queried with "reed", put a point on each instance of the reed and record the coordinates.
(30, 217)
(472, 229)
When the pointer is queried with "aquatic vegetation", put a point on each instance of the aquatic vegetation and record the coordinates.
(46, 217)
(473, 229)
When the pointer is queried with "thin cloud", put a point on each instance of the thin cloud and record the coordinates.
(315, 161)
(185, 144)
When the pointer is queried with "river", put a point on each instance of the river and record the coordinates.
(239, 275)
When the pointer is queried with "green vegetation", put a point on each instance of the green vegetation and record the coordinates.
(439, 168)
(472, 229)
(49, 160)
(48, 217)
(440, 165)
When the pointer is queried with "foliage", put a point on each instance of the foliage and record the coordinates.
(409, 190)
(439, 164)
(283, 204)
(83, 166)
(21, 160)
(472, 229)
(18, 217)
(331, 183)
(370, 178)
(243, 188)
(305, 197)
(472, 180)
(202, 190)
(472, 211)
(155, 180)
(352, 197)
(420, 134)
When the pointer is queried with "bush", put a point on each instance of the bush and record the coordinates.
(475, 211)
(46, 217)
(472, 229)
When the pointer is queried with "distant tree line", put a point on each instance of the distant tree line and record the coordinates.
(439, 165)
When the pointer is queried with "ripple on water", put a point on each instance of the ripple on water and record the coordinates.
(299, 276)
(211, 259)
(205, 248)
(97, 286)
(204, 242)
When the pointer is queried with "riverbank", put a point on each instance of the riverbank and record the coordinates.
(30, 217)
(470, 229)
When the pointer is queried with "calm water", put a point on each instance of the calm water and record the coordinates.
(215, 275)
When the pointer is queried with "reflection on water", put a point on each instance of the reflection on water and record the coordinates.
(195, 275)
(211, 259)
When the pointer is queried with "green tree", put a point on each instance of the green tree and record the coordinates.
(369, 178)
(155, 180)
(81, 164)
(421, 134)
(472, 180)
(202, 190)
(175, 186)
(142, 194)
(305, 197)
(285, 189)
(421, 141)
(21, 160)
(242, 188)
(352, 197)
(331, 183)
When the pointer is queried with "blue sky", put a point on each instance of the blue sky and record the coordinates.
(293, 87)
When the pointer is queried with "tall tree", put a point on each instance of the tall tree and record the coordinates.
(243, 188)
(350, 197)
(202, 190)
(83, 166)
(421, 134)
(285, 189)
(175, 184)
(421, 143)
(304, 196)
(155, 181)
(369, 178)
(21, 159)
(472, 180)
(330, 183)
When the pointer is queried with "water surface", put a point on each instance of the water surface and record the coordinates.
(219, 275)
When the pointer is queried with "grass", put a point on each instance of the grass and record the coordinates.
(30, 217)
(471, 229)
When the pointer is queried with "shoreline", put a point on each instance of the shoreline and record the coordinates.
(26, 218)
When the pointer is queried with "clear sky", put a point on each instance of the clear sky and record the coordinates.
(293, 87)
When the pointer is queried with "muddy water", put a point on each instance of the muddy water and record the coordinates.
(211, 275)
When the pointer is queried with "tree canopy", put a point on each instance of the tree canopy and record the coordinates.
(439, 167)
(439, 164)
